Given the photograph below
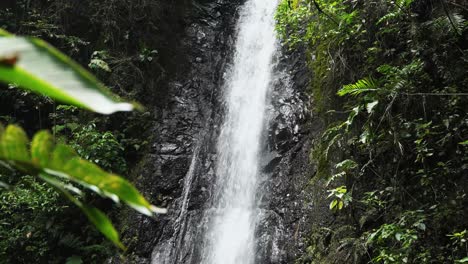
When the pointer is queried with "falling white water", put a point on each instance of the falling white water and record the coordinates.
(230, 239)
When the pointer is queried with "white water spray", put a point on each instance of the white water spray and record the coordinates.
(230, 239)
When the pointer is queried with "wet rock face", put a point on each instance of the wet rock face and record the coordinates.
(179, 172)
(286, 201)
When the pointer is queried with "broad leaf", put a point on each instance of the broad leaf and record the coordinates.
(33, 64)
(62, 161)
(110, 185)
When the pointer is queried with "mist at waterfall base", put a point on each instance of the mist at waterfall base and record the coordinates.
(230, 238)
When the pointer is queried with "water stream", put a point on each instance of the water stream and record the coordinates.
(230, 238)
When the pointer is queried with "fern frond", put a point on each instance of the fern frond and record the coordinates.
(389, 16)
(361, 86)
(404, 3)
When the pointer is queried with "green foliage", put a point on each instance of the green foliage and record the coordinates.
(33, 64)
(396, 242)
(78, 29)
(399, 70)
(33, 215)
(291, 18)
(101, 148)
(27, 196)
(147, 55)
(98, 62)
(341, 198)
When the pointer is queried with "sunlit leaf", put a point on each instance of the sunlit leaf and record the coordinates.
(463, 260)
(346, 165)
(37, 66)
(340, 205)
(361, 86)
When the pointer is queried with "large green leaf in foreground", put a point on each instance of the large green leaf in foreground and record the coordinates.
(58, 163)
(34, 64)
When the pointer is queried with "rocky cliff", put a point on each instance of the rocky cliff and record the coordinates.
(179, 170)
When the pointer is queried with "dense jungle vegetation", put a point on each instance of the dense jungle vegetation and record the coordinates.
(388, 79)
(390, 82)
(36, 224)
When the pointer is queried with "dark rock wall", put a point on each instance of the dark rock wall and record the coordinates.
(179, 171)
(180, 168)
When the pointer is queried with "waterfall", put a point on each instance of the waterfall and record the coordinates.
(232, 219)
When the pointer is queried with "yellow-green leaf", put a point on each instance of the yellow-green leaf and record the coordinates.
(2, 131)
(41, 148)
(14, 144)
(4, 33)
(60, 156)
(108, 184)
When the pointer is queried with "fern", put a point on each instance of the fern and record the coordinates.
(361, 86)
(401, 6)
(389, 16)
(453, 23)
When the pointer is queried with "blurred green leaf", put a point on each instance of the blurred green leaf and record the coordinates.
(14, 144)
(53, 163)
(33, 64)
(4, 33)
(41, 148)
